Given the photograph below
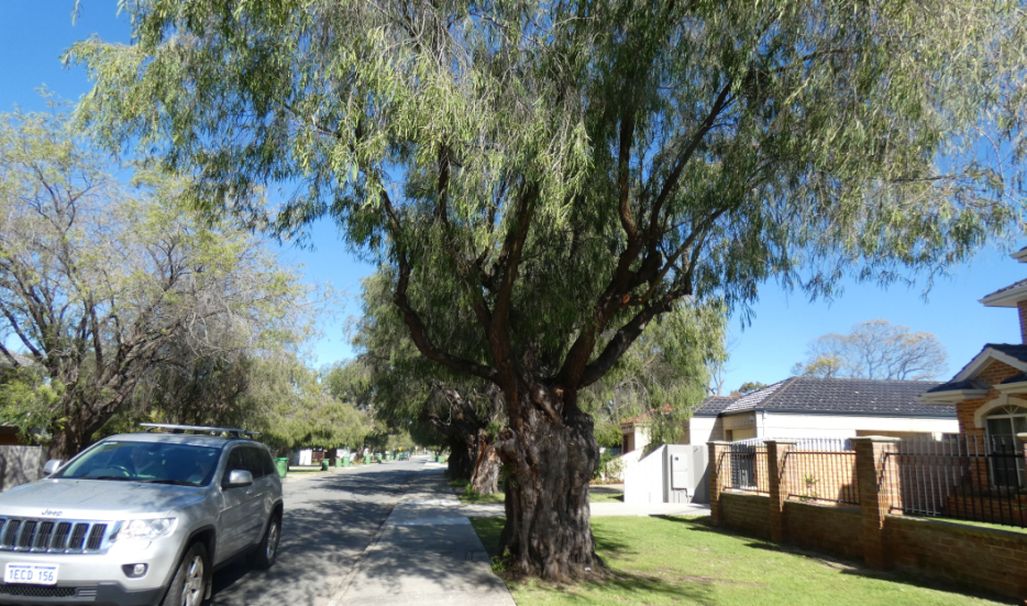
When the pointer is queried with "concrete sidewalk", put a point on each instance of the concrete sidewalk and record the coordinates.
(425, 553)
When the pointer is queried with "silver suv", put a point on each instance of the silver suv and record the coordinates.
(140, 518)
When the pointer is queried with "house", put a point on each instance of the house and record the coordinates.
(800, 407)
(990, 392)
(634, 434)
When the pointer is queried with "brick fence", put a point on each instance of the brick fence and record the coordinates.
(984, 559)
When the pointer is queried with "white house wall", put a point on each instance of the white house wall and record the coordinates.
(783, 425)
(672, 473)
(704, 429)
(643, 479)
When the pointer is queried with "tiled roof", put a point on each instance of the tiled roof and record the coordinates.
(838, 396)
(712, 406)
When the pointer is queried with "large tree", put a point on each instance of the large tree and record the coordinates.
(102, 286)
(876, 349)
(557, 174)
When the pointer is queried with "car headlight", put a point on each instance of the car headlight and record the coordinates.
(145, 529)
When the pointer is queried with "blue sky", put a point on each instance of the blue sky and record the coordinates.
(34, 34)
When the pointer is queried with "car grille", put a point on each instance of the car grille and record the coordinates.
(49, 536)
(40, 591)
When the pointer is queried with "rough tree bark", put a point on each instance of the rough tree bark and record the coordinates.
(550, 459)
(485, 475)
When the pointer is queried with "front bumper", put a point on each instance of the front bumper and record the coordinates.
(102, 594)
(97, 578)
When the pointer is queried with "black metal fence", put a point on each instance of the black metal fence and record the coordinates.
(961, 477)
(748, 465)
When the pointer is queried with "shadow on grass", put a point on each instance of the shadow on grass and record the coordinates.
(616, 582)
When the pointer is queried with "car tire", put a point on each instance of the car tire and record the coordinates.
(267, 551)
(189, 585)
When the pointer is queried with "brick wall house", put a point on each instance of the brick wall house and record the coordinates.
(990, 396)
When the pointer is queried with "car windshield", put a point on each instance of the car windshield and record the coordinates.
(152, 462)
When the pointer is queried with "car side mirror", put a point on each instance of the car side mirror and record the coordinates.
(239, 477)
(51, 466)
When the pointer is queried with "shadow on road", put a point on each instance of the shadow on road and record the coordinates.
(329, 521)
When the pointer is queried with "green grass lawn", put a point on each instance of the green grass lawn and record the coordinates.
(677, 560)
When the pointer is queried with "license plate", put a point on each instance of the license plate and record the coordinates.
(31, 574)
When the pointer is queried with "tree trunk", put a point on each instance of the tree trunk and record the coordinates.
(550, 458)
(460, 465)
(485, 477)
(66, 443)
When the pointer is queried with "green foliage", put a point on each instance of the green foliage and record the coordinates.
(26, 399)
(662, 377)
(655, 150)
(293, 408)
(123, 299)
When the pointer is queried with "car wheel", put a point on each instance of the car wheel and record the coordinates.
(189, 585)
(267, 551)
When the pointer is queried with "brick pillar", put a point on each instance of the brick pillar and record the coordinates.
(719, 476)
(1022, 437)
(778, 488)
(875, 493)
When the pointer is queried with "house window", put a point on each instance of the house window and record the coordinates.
(1005, 452)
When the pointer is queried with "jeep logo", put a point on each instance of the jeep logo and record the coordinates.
(51, 513)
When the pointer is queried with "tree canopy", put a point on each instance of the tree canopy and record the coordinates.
(103, 285)
(875, 349)
(552, 176)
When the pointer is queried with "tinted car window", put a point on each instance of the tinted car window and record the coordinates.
(254, 462)
(266, 462)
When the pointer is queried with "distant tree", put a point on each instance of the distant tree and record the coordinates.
(749, 387)
(293, 407)
(875, 349)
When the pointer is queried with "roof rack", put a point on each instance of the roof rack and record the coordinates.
(231, 432)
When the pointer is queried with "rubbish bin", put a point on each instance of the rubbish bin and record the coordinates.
(324, 464)
(282, 463)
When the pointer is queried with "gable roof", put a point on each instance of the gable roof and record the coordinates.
(1009, 354)
(811, 395)
(965, 384)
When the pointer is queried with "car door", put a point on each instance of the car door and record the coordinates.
(240, 511)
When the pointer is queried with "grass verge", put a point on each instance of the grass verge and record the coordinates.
(674, 560)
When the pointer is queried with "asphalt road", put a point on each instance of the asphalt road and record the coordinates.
(330, 519)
